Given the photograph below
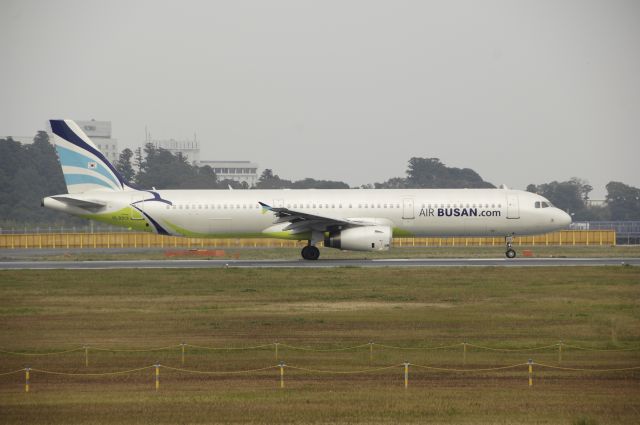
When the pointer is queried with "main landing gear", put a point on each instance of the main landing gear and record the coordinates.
(310, 252)
(511, 253)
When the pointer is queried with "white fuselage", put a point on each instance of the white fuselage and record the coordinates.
(408, 212)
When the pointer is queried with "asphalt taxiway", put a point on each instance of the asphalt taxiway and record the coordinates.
(200, 264)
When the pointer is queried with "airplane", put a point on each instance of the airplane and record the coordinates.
(353, 220)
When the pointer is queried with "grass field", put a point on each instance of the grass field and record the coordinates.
(625, 251)
(596, 307)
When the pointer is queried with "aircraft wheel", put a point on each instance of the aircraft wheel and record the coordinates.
(310, 252)
(510, 253)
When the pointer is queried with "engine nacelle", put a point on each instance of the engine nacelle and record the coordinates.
(364, 238)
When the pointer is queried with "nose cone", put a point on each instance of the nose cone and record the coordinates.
(565, 219)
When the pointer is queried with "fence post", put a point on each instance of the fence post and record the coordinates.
(26, 379)
(157, 365)
(86, 356)
(560, 352)
(282, 365)
(182, 346)
(530, 363)
(406, 375)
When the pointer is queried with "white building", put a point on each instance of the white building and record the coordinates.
(240, 171)
(189, 149)
(100, 133)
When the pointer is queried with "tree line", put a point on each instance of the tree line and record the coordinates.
(30, 172)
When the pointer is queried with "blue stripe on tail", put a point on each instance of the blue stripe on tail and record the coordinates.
(61, 129)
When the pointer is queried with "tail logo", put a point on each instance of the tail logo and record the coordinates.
(84, 167)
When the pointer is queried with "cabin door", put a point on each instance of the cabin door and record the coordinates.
(513, 206)
(407, 209)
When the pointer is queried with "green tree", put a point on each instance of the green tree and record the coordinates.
(268, 180)
(161, 169)
(392, 183)
(29, 173)
(310, 183)
(431, 173)
(623, 201)
(123, 165)
(200, 178)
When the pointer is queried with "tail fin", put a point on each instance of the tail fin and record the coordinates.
(84, 167)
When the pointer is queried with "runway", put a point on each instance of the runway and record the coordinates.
(202, 264)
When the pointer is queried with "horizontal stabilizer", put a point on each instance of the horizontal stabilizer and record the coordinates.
(80, 203)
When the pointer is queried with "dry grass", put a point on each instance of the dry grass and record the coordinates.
(324, 309)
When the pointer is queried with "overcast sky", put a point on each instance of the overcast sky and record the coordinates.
(520, 91)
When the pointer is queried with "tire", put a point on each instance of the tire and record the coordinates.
(314, 253)
(510, 253)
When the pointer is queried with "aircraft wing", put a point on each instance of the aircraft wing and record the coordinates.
(301, 222)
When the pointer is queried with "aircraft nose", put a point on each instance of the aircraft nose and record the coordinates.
(565, 219)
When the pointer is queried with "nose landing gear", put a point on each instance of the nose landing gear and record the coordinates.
(310, 252)
(510, 253)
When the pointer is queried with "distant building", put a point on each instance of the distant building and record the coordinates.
(190, 149)
(100, 133)
(240, 171)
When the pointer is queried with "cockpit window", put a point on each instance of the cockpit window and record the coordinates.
(543, 204)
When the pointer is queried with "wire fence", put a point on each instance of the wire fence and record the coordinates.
(404, 368)
(373, 348)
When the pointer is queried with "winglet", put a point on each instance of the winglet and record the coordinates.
(265, 207)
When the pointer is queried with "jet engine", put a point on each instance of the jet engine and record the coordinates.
(363, 238)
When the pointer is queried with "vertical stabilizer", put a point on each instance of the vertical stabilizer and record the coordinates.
(85, 168)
